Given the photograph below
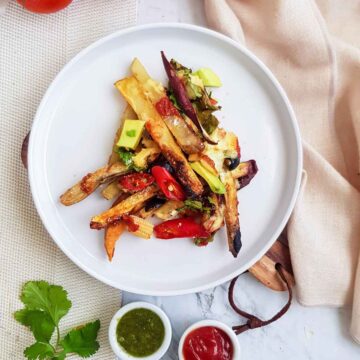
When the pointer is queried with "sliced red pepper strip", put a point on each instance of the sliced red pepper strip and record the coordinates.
(168, 185)
(136, 182)
(180, 228)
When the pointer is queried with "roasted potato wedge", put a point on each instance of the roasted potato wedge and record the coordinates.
(188, 140)
(131, 90)
(215, 220)
(132, 203)
(90, 182)
(168, 210)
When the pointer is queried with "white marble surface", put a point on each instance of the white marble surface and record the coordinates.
(303, 333)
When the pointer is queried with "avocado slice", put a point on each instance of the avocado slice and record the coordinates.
(208, 77)
(214, 182)
(131, 134)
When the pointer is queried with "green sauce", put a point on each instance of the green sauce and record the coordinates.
(140, 332)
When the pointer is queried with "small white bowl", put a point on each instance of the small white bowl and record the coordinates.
(217, 324)
(119, 351)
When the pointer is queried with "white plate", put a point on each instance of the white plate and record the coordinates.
(73, 132)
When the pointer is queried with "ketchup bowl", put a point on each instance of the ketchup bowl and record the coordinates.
(209, 339)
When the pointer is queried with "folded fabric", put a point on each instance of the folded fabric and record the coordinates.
(312, 47)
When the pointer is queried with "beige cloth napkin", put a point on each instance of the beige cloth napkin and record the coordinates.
(33, 48)
(313, 49)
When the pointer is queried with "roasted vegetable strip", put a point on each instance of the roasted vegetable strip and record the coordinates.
(123, 208)
(245, 172)
(91, 182)
(215, 220)
(231, 214)
(180, 93)
(114, 231)
(186, 137)
(131, 90)
(112, 234)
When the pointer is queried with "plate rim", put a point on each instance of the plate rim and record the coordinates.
(294, 125)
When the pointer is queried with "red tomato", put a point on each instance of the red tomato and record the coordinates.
(44, 6)
(166, 108)
(136, 182)
(180, 228)
(168, 185)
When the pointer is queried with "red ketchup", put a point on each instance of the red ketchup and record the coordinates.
(207, 343)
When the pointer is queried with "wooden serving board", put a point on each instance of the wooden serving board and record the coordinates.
(264, 270)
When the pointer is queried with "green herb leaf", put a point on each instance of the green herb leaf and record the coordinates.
(39, 322)
(131, 133)
(194, 205)
(40, 295)
(127, 158)
(39, 350)
(82, 341)
(203, 242)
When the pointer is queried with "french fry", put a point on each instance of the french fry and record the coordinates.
(131, 90)
(91, 182)
(125, 207)
(186, 137)
(231, 214)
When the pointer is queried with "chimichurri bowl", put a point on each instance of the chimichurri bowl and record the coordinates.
(140, 330)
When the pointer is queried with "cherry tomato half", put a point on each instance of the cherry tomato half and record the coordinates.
(180, 228)
(136, 181)
(168, 185)
(44, 6)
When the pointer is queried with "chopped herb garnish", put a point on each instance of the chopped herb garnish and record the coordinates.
(127, 158)
(203, 242)
(194, 205)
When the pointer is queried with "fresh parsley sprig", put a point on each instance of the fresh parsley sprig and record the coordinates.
(45, 305)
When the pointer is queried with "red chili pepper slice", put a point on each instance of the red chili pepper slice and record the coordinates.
(136, 182)
(168, 185)
(180, 228)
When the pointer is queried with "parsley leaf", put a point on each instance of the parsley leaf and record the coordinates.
(39, 350)
(45, 305)
(40, 295)
(82, 340)
(39, 322)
